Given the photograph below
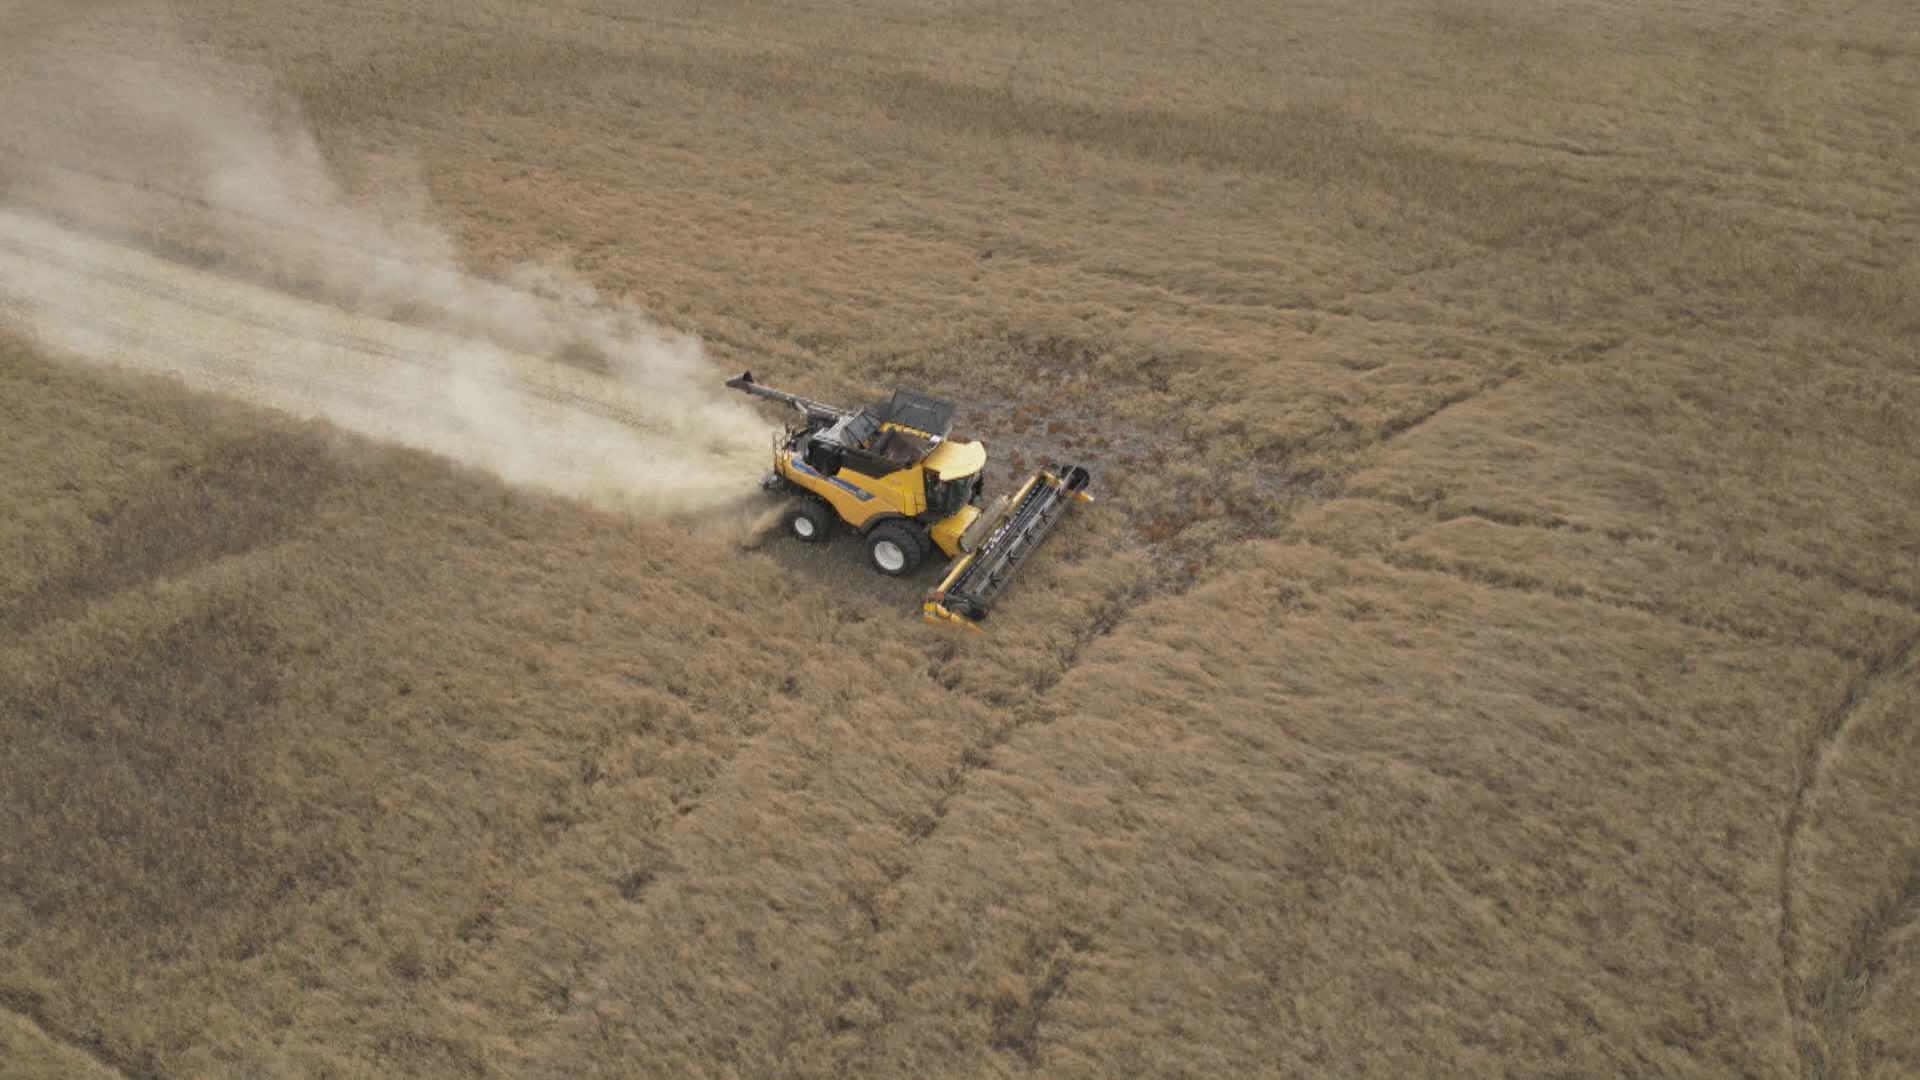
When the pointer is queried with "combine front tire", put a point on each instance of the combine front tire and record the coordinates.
(895, 549)
(807, 521)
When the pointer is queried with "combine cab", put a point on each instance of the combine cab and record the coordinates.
(891, 473)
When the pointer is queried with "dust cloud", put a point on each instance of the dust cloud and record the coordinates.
(160, 211)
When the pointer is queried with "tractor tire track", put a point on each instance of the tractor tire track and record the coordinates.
(1494, 578)
(1400, 426)
(1883, 592)
(31, 1008)
(1016, 1021)
(1835, 1005)
(1829, 733)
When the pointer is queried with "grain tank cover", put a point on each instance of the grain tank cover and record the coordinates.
(931, 415)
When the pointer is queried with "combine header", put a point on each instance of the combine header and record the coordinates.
(890, 472)
(978, 577)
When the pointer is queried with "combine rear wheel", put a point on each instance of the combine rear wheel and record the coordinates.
(895, 549)
(807, 521)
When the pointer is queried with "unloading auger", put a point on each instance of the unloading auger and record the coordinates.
(891, 473)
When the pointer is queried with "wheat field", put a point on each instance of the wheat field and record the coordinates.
(1494, 648)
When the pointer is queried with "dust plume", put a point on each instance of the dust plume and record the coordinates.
(170, 214)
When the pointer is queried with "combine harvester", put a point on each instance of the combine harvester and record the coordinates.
(891, 473)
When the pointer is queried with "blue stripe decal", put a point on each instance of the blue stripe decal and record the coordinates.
(857, 492)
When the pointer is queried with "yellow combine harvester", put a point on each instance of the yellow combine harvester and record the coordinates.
(890, 471)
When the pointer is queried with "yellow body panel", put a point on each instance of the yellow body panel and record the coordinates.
(947, 533)
(854, 495)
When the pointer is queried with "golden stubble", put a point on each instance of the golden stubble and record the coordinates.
(1491, 651)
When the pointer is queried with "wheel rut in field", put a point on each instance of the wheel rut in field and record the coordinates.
(31, 1008)
(1885, 592)
(1830, 732)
